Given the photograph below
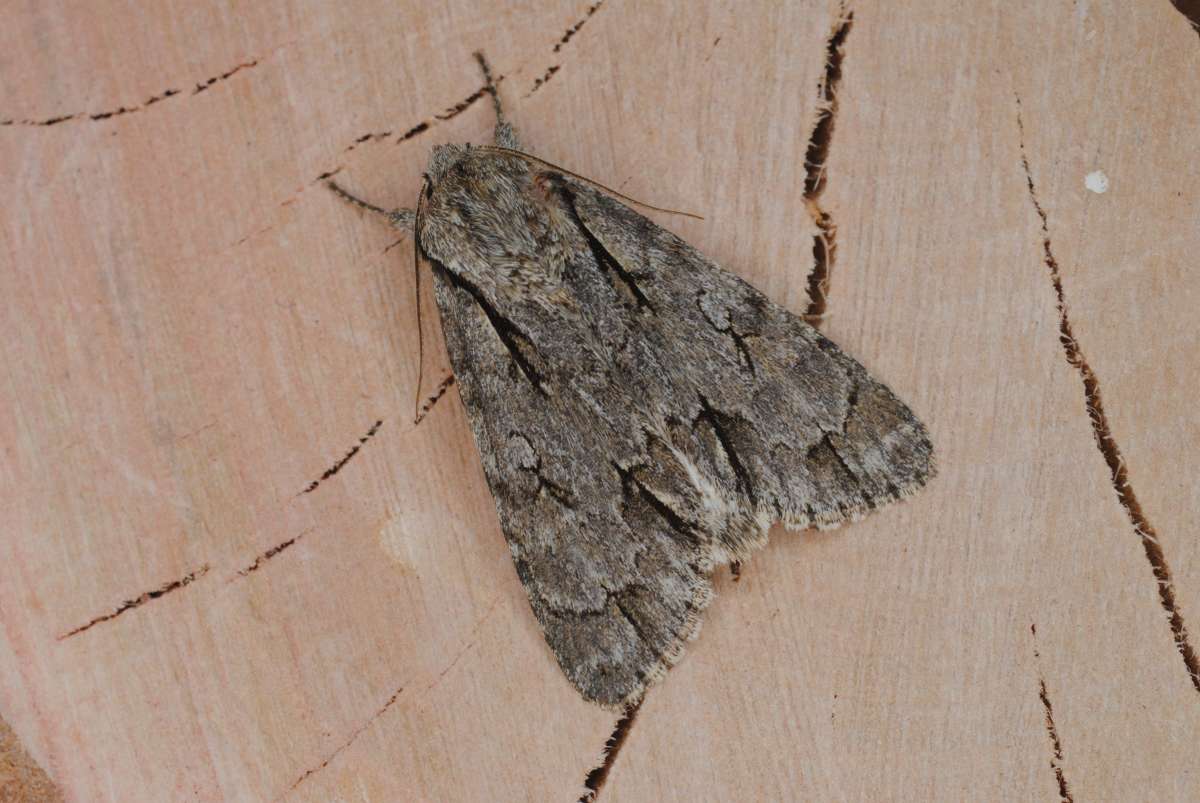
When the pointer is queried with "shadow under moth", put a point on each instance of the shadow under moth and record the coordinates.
(642, 414)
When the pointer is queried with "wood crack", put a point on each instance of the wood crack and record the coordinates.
(140, 600)
(415, 130)
(574, 29)
(819, 142)
(123, 110)
(438, 393)
(1105, 442)
(349, 741)
(340, 464)
(540, 81)
(1056, 750)
(595, 779)
(270, 553)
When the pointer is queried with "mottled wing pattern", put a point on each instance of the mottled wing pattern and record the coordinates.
(615, 579)
(642, 415)
(813, 438)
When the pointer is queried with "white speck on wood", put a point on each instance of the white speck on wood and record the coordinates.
(1097, 182)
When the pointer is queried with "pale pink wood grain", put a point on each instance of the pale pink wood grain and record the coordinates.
(194, 331)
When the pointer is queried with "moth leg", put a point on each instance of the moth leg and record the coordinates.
(402, 219)
(506, 135)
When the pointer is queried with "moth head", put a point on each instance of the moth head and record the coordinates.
(443, 159)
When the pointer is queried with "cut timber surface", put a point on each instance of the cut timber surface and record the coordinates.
(231, 568)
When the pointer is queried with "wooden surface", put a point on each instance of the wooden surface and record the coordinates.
(194, 332)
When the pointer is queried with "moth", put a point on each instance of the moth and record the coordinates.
(643, 415)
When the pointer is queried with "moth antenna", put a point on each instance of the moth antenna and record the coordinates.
(402, 219)
(505, 134)
(417, 216)
(586, 180)
(408, 221)
(491, 84)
